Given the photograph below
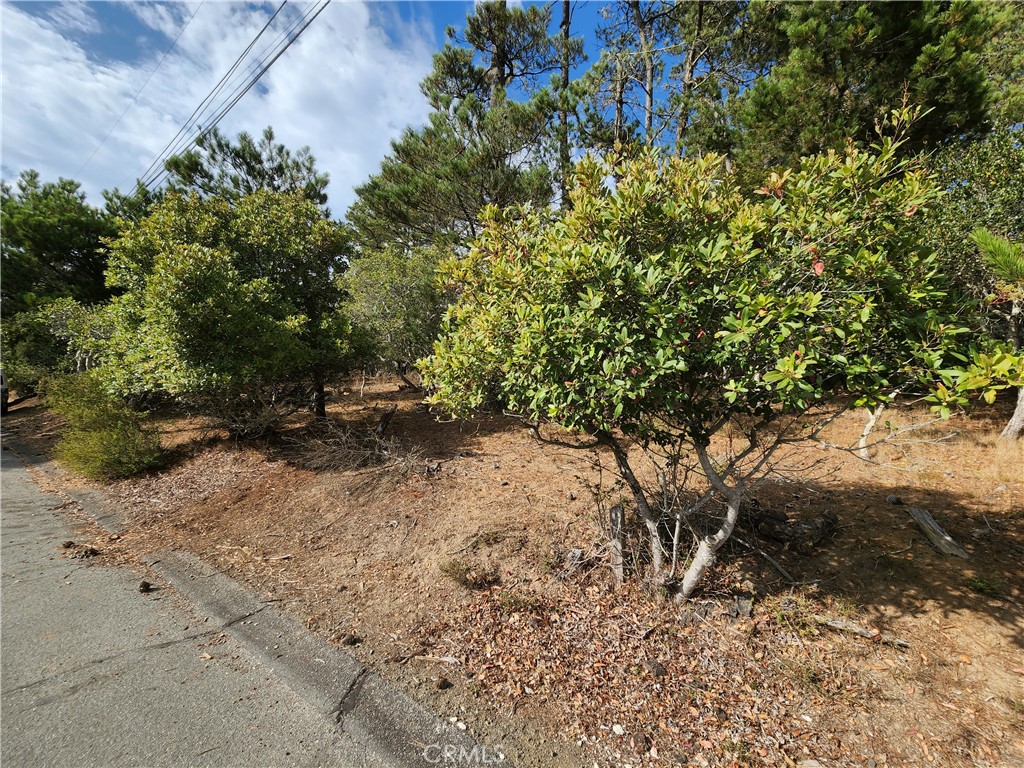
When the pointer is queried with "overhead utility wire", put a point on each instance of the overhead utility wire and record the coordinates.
(242, 91)
(182, 138)
(139, 92)
(237, 82)
(214, 92)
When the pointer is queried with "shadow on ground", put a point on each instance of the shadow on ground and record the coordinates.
(879, 560)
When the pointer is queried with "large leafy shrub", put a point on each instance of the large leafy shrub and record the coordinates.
(29, 352)
(666, 308)
(231, 308)
(393, 295)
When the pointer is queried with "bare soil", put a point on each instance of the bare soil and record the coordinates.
(471, 568)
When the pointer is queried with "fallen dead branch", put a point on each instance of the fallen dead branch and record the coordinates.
(385, 419)
(771, 560)
(842, 625)
(438, 659)
(941, 540)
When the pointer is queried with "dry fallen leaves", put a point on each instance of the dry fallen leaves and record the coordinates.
(650, 683)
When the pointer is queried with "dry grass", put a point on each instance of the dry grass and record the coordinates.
(469, 573)
(337, 448)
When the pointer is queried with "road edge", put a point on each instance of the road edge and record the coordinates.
(387, 721)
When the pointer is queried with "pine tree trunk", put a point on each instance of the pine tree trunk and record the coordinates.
(643, 29)
(499, 65)
(688, 79)
(563, 112)
(619, 88)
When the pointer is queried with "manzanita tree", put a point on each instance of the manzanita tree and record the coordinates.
(668, 309)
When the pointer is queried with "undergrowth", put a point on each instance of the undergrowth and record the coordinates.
(104, 439)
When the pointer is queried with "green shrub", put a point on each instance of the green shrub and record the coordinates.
(105, 439)
(29, 351)
(989, 587)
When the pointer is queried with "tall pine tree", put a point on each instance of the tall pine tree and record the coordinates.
(487, 140)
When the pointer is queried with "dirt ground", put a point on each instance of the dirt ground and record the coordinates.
(471, 567)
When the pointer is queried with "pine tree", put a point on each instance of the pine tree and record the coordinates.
(836, 68)
(486, 141)
(220, 168)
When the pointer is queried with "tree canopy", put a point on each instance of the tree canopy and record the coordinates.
(51, 243)
(393, 296)
(217, 167)
(228, 306)
(835, 69)
(480, 146)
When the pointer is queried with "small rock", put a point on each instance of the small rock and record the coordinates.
(742, 608)
(892, 499)
(444, 684)
(570, 496)
(350, 640)
(656, 667)
(68, 545)
(618, 730)
(145, 587)
(808, 764)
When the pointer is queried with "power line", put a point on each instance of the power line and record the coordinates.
(214, 92)
(158, 173)
(240, 91)
(139, 92)
(161, 177)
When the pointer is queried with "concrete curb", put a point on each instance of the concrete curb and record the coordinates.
(394, 728)
(365, 706)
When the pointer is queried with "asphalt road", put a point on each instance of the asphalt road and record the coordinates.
(94, 673)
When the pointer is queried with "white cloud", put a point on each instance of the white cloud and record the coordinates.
(162, 17)
(345, 89)
(74, 16)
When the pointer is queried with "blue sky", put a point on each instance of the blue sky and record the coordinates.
(346, 88)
